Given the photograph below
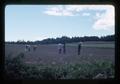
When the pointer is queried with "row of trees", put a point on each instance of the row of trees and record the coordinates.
(67, 40)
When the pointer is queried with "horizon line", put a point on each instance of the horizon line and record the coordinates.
(60, 37)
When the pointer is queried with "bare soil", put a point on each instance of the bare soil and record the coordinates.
(48, 54)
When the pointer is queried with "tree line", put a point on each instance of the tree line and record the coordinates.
(65, 39)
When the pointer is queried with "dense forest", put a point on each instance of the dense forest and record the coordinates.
(66, 40)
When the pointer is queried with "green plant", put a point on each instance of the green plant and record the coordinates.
(16, 69)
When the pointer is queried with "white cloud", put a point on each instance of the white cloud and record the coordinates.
(58, 11)
(86, 14)
(105, 21)
(98, 15)
(71, 10)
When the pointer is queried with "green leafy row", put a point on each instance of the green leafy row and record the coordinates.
(15, 68)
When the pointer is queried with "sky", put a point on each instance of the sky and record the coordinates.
(38, 22)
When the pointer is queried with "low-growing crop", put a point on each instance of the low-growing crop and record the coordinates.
(15, 68)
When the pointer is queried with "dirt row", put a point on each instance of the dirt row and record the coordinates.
(47, 54)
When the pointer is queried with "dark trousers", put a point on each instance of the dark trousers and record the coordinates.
(60, 51)
(64, 50)
(34, 49)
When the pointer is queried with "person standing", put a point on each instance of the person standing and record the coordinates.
(29, 48)
(79, 48)
(34, 47)
(64, 48)
(59, 48)
(26, 48)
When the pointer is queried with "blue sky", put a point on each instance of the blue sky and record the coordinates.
(37, 22)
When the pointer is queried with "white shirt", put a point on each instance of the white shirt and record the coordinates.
(60, 46)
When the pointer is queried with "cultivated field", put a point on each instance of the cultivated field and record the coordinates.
(95, 61)
(48, 54)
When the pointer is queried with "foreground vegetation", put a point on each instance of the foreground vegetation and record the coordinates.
(15, 68)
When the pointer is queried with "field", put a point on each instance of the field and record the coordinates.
(48, 54)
